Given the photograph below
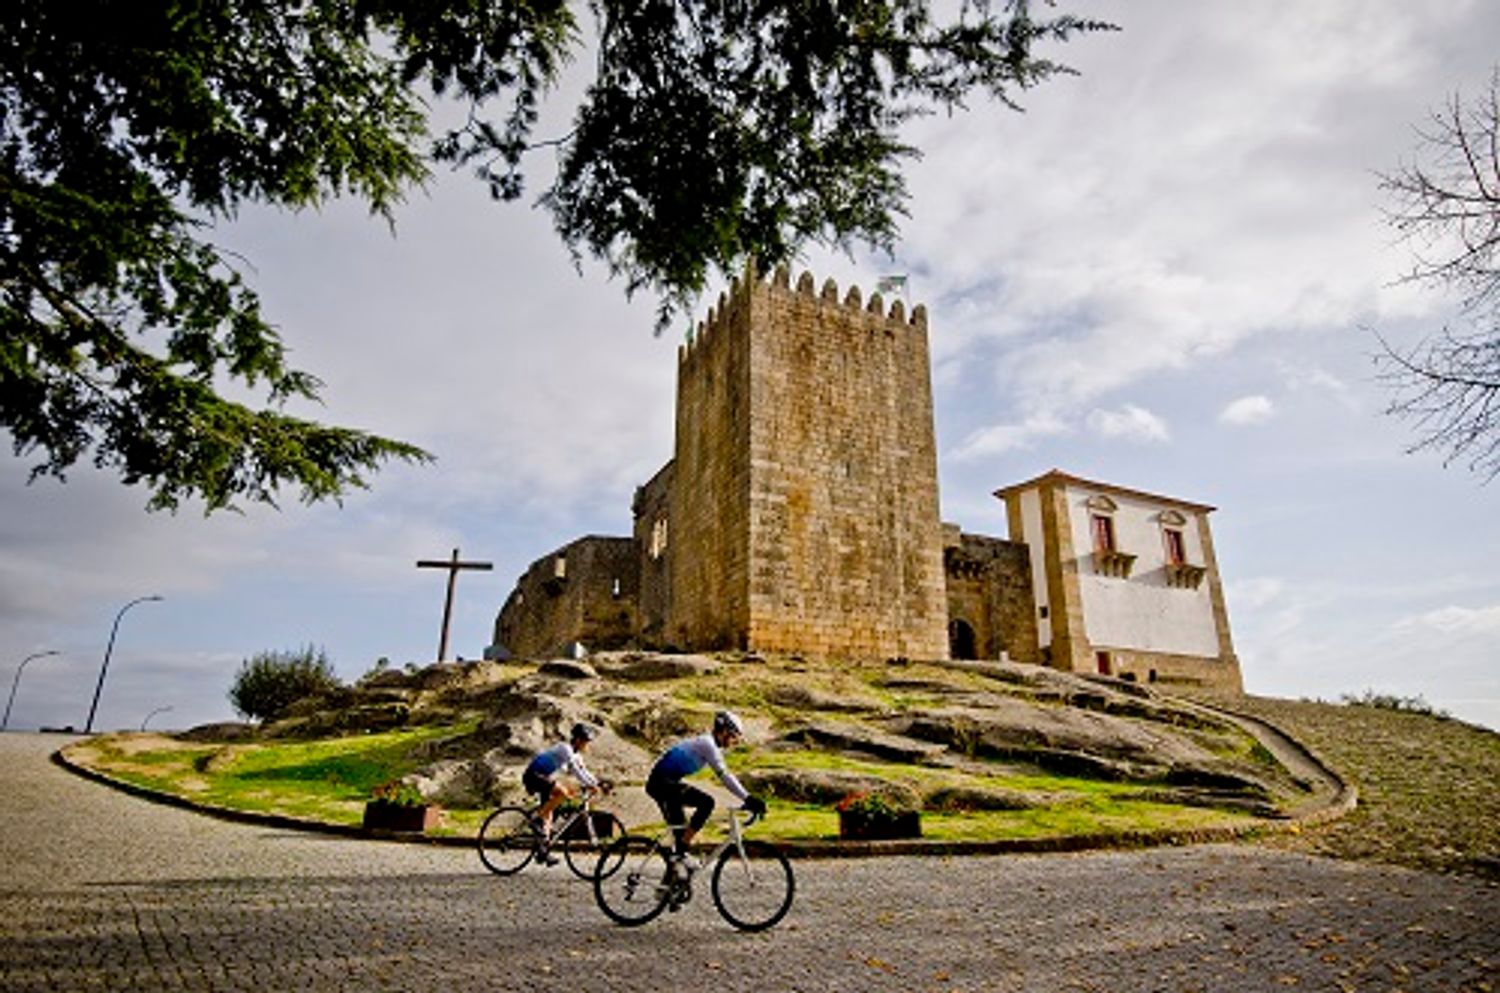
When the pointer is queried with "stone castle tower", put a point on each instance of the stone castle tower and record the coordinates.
(803, 491)
(799, 514)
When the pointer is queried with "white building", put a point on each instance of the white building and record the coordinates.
(1125, 582)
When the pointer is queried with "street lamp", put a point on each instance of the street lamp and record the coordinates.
(147, 718)
(17, 682)
(89, 727)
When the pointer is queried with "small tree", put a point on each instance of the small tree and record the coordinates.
(270, 682)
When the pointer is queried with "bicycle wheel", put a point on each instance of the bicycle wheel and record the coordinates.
(753, 890)
(582, 852)
(630, 880)
(506, 841)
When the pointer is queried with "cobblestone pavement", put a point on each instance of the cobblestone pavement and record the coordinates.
(105, 891)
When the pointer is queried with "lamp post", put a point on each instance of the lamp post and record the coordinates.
(158, 710)
(89, 727)
(17, 682)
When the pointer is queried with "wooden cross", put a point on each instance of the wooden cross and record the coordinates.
(452, 565)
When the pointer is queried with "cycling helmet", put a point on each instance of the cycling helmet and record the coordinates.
(583, 732)
(726, 720)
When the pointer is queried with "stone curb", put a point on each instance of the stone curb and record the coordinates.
(1344, 801)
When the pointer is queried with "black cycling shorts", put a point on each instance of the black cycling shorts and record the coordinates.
(673, 796)
(537, 785)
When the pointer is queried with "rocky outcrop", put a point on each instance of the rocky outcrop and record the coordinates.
(649, 667)
(953, 728)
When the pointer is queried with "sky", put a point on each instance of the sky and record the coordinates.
(1166, 274)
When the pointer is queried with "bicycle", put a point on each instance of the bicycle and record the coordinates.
(512, 837)
(637, 877)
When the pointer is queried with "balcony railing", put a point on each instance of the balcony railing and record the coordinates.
(1108, 562)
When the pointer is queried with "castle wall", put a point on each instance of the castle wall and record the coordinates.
(709, 501)
(585, 591)
(845, 551)
(990, 590)
(653, 539)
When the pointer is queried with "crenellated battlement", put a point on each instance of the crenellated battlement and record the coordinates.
(778, 289)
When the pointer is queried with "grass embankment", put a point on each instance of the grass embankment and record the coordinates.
(330, 779)
(325, 780)
(1429, 788)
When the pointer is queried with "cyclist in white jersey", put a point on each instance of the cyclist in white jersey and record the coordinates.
(540, 778)
(665, 784)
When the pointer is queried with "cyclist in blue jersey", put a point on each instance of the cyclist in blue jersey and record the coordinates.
(541, 776)
(665, 784)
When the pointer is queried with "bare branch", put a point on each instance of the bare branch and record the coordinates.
(1447, 203)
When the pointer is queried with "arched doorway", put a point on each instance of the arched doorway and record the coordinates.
(961, 641)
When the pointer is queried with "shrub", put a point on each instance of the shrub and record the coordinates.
(270, 682)
(1389, 701)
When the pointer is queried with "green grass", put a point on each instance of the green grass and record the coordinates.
(327, 780)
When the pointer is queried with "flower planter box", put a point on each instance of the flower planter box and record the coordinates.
(863, 825)
(383, 816)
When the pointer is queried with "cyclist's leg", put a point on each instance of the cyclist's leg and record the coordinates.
(703, 807)
(668, 796)
(540, 788)
(555, 796)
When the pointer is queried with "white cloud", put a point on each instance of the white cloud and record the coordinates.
(1248, 410)
(1319, 381)
(1454, 620)
(1182, 170)
(1001, 438)
(1130, 423)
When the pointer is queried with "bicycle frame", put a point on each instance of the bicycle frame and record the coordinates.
(560, 825)
(736, 839)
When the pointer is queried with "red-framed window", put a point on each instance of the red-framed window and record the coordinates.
(1176, 546)
(1103, 527)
